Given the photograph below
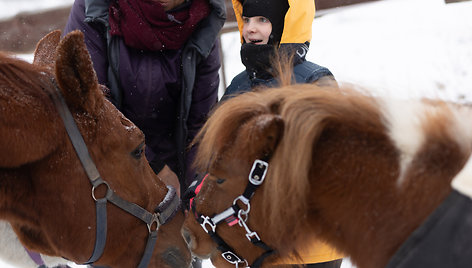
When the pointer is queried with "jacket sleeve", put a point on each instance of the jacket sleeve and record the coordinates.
(204, 97)
(95, 40)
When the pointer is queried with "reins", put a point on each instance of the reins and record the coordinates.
(162, 214)
(235, 214)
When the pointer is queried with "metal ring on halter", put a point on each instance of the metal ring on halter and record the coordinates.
(108, 193)
(154, 219)
(245, 201)
(240, 217)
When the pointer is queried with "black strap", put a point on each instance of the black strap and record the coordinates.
(258, 262)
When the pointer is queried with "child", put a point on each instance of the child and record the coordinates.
(270, 28)
(267, 26)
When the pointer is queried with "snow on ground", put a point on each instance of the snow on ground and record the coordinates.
(402, 48)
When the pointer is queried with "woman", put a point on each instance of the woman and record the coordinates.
(160, 60)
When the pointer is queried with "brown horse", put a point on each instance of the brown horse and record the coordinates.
(46, 193)
(358, 172)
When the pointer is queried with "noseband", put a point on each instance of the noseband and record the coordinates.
(162, 214)
(235, 214)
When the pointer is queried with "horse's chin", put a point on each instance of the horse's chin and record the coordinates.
(196, 253)
(218, 261)
(193, 245)
(202, 257)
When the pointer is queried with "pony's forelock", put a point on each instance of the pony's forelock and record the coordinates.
(221, 129)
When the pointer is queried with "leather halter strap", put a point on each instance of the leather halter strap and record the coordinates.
(235, 214)
(162, 214)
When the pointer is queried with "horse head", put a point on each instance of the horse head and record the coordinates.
(234, 136)
(50, 195)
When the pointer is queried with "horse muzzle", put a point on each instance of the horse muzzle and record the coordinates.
(174, 258)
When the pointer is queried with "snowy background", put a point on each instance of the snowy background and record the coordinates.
(399, 48)
(404, 48)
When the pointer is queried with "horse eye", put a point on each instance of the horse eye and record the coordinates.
(138, 152)
(220, 181)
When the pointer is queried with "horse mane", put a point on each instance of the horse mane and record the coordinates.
(220, 130)
(14, 71)
(233, 115)
(307, 114)
(306, 110)
(37, 84)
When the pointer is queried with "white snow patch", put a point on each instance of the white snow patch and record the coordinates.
(463, 181)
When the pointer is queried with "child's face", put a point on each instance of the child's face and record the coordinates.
(256, 30)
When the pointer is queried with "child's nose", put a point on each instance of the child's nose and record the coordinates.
(251, 26)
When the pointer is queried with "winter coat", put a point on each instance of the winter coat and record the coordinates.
(305, 72)
(168, 93)
(297, 30)
(443, 240)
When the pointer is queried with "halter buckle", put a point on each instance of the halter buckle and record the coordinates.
(258, 172)
(207, 220)
(233, 258)
(245, 201)
(154, 219)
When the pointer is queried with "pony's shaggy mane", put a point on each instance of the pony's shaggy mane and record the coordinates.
(306, 111)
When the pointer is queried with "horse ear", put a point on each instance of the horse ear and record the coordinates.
(75, 74)
(45, 52)
(267, 131)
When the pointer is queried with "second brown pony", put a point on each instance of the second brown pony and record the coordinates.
(358, 172)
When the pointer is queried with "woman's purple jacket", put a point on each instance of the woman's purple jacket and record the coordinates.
(167, 94)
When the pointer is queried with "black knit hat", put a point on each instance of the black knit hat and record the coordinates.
(274, 10)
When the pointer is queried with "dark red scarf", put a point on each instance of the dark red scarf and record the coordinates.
(144, 24)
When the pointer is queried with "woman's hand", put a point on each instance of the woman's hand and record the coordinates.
(167, 176)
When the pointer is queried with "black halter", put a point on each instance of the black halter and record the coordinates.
(235, 214)
(162, 214)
